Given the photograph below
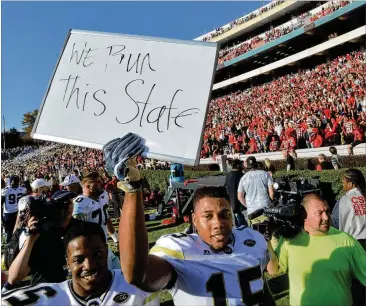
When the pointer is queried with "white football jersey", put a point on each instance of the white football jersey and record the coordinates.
(91, 211)
(12, 197)
(233, 276)
(58, 294)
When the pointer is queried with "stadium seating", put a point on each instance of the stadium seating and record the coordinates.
(309, 109)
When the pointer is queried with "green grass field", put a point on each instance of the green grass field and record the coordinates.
(278, 285)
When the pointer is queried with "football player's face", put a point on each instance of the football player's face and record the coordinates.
(96, 186)
(213, 220)
(317, 217)
(87, 261)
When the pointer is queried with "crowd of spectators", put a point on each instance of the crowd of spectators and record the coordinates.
(18, 151)
(231, 52)
(242, 20)
(55, 161)
(323, 106)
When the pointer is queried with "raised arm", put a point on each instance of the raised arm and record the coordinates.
(147, 272)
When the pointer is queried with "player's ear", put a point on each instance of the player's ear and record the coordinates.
(194, 219)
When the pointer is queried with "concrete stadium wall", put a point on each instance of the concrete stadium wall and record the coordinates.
(303, 153)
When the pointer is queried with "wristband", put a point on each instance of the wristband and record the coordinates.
(130, 187)
(114, 236)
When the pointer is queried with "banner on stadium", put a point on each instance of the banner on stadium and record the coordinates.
(106, 85)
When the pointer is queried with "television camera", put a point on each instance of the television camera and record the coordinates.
(49, 213)
(285, 216)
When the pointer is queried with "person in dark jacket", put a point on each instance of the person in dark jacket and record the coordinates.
(232, 182)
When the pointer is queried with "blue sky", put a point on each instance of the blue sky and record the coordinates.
(33, 34)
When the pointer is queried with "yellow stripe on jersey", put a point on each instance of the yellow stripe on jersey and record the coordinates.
(151, 297)
(169, 252)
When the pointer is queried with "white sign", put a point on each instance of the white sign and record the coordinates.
(106, 85)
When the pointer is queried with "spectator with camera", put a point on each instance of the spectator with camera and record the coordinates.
(255, 189)
(39, 248)
(39, 187)
(321, 260)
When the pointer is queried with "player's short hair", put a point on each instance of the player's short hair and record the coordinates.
(209, 192)
(90, 177)
(84, 229)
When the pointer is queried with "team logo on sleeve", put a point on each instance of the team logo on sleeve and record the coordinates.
(122, 297)
(249, 242)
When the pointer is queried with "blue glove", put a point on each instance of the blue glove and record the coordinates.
(119, 151)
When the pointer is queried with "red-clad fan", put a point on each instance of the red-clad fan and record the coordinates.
(284, 143)
(274, 144)
(358, 138)
(291, 142)
(316, 139)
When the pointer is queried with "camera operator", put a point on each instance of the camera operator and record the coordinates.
(349, 213)
(321, 260)
(40, 187)
(255, 189)
(40, 242)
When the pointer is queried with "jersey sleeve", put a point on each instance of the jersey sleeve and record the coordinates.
(282, 253)
(82, 209)
(170, 249)
(3, 192)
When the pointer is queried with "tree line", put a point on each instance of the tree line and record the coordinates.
(14, 138)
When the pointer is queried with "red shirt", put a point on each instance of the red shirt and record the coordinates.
(291, 142)
(357, 135)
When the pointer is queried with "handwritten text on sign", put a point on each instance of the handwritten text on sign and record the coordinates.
(136, 94)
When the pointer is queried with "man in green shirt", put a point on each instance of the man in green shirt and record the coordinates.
(321, 260)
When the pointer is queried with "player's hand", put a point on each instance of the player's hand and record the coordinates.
(119, 155)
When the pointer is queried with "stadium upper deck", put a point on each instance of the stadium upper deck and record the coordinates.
(250, 22)
(330, 19)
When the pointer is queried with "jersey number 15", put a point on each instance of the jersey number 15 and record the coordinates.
(216, 285)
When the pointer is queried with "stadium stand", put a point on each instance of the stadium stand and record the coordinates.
(229, 53)
(280, 94)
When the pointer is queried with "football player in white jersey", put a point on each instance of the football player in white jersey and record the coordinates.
(92, 206)
(10, 199)
(92, 283)
(220, 265)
